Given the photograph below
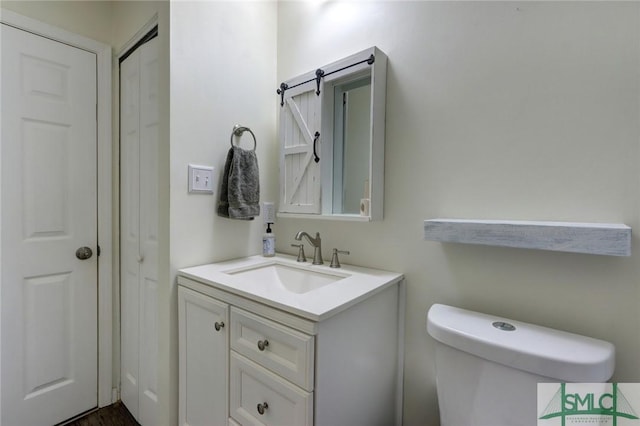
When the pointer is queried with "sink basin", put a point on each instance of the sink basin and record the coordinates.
(295, 280)
(312, 292)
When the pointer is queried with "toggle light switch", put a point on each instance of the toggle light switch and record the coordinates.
(200, 179)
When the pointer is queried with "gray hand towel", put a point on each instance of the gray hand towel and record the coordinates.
(240, 191)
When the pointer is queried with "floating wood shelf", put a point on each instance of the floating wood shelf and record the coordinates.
(611, 239)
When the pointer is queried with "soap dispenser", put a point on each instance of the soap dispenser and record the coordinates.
(268, 242)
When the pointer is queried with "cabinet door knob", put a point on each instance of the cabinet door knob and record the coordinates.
(262, 408)
(219, 325)
(262, 344)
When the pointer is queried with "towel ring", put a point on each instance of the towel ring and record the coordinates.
(238, 130)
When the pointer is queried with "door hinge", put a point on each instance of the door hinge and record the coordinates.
(98, 251)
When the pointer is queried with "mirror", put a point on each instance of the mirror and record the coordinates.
(351, 123)
(332, 140)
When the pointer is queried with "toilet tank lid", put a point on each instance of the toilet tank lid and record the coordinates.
(539, 350)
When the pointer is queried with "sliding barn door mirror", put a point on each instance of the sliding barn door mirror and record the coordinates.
(332, 133)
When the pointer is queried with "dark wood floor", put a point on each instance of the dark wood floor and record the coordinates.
(113, 415)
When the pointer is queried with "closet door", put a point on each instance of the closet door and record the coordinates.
(139, 224)
(129, 228)
(148, 232)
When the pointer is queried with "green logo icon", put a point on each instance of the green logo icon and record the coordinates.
(565, 404)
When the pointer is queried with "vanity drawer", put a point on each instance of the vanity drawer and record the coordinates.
(260, 397)
(281, 349)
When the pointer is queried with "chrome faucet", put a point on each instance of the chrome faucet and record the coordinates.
(316, 243)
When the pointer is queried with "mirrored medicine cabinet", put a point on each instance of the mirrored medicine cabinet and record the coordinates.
(332, 134)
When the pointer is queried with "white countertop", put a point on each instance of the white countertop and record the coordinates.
(316, 305)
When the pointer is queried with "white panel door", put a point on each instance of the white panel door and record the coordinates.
(300, 138)
(49, 296)
(148, 232)
(139, 225)
(130, 254)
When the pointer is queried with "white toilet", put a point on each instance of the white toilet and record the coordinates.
(487, 368)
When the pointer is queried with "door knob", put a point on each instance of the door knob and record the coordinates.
(84, 253)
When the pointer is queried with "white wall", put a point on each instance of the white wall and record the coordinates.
(494, 110)
(128, 17)
(87, 18)
(223, 64)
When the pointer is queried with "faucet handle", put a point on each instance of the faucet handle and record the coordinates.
(301, 256)
(335, 262)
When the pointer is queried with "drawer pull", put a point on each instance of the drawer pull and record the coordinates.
(262, 344)
(262, 408)
(219, 325)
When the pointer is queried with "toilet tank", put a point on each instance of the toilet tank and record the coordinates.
(487, 367)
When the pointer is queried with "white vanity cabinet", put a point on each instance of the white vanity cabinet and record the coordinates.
(280, 368)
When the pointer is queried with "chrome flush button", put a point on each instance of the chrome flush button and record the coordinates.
(504, 326)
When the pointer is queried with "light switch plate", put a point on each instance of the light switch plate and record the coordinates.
(200, 179)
